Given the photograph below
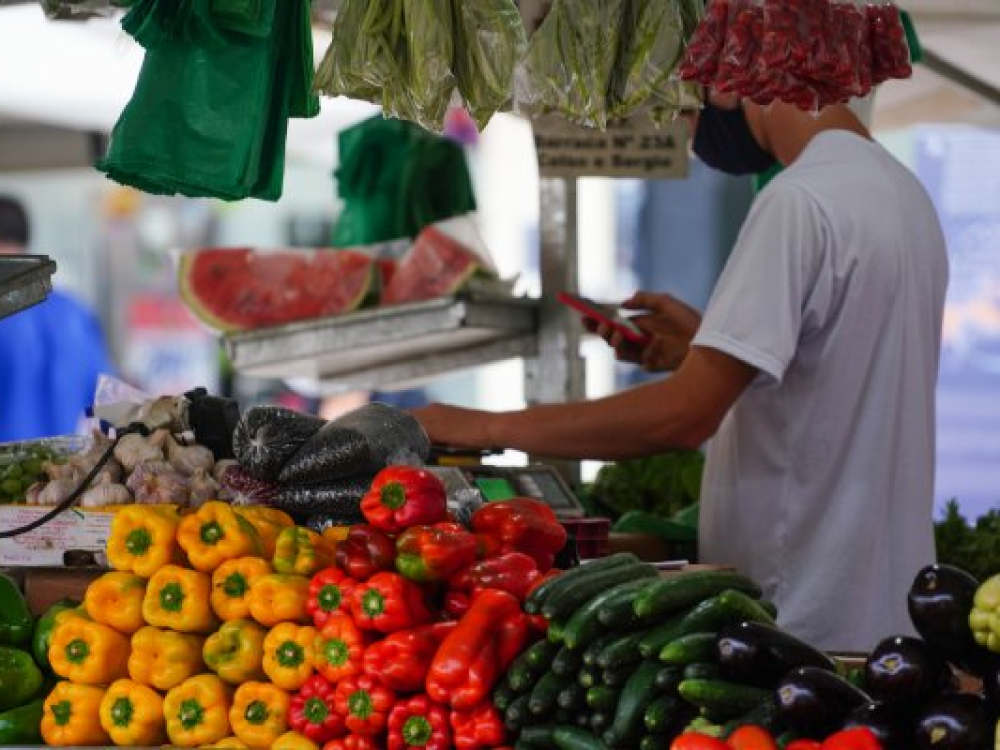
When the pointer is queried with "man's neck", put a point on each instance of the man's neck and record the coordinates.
(786, 130)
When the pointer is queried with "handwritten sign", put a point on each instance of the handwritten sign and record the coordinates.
(632, 148)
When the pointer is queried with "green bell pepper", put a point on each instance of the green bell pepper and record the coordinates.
(22, 725)
(16, 622)
(43, 630)
(20, 677)
(984, 619)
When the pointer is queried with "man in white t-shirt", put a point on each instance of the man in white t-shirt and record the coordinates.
(813, 373)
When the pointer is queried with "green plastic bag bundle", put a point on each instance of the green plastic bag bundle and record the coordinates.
(651, 46)
(209, 114)
(396, 178)
(490, 40)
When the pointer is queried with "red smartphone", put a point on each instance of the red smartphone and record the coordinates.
(605, 314)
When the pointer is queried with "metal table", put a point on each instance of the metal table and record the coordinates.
(25, 280)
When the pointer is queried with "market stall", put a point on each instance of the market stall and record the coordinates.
(270, 579)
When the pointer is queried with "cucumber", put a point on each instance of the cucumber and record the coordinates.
(575, 738)
(600, 721)
(720, 699)
(625, 650)
(766, 715)
(681, 590)
(617, 676)
(540, 654)
(517, 715)
(660, 712)
(657, 637)
(690, 648)
(583, 625)
(603, 699)
(535, 600)
(638, 693)
(770, 607)
(542, 699)
(588, 677)
(668, 678)
(567, 661)
(582, 720)
(554, 632)
(617, 612)
(503, 695)
(703, 670)
(595, 648)
(561, 604)
(537, 737)
(572, 697)
(655, 742)
(521, 676)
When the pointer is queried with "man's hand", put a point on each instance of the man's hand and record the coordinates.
(670, 323)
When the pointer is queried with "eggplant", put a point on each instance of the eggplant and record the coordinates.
(955, 721)
(904, 670)
(939, 602)
(891, 724)
(341, 497)
(267, 436)
(815, 702)
(991, 682)
(757, 654)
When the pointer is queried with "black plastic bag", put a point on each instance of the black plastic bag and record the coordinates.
(360, 442)
(340, 498)
(267, 436)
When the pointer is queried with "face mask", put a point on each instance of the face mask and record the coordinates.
(724, 141)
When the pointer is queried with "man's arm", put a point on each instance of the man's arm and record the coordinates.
(681, 411)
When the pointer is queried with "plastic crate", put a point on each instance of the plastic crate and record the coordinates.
(590, 534)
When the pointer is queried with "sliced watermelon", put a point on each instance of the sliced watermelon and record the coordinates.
(237, 289)
(437, 265)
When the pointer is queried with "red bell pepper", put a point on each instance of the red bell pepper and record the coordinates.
(454, 604)
(401, 659)
(467, 664)
(340, 648)
(364, 552)
(855, 738)
(434, 553)
(311, 712)
(804, 745)
(355, 742)
(513, 634)
(751, 737)
(525, 525)
(404, 496)
(364, 703)
(329, 592)
(513, 572)
(696, 741)
(388, 602)
(418, 722)
(480, 727)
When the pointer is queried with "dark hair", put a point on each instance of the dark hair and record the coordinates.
(13, 222)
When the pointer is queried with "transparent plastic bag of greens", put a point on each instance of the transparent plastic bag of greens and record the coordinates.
(652, 42)
(359, 60)
(490, 39)
(79, 9)
(570, 62)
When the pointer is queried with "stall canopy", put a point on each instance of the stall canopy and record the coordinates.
(65, 83)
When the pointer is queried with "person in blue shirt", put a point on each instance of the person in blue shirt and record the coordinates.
(51, 355)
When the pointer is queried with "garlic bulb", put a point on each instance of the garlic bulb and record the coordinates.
(221, 467)
(60, 470)
(150, 467)
(152, 488)
(134, 449)
(203, 488)
(56, 491)
(106, 492)
(188, 458)
(31, 494)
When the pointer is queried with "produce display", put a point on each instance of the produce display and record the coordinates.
(810, 53)
(22, 467)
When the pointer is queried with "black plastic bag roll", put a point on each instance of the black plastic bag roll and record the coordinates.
(267, 436)
(360, 442)
(340, 497)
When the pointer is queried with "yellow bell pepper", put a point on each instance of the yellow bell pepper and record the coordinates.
(87, 652)
(115, 599)
(132, 714)
(197, 711)
(259, 715)
(336, 534)
(216, 533)
(163, 659)
(227, 743)
(303, 551)
(294, 741)
(179, 599)
(268, 522)
(143, 538)
(289, 655)
(280, 597)
(231, 583)
(235, 651)
(71, 715)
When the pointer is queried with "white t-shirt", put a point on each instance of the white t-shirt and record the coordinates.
(819, 482)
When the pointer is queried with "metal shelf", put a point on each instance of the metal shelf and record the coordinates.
(399, 346)
(25, 280)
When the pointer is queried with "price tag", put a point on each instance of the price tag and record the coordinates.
(631, 148)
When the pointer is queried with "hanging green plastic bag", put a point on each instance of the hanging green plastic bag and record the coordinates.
(253, 17)
(425, 92)
(360, 58)
(490, 40)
